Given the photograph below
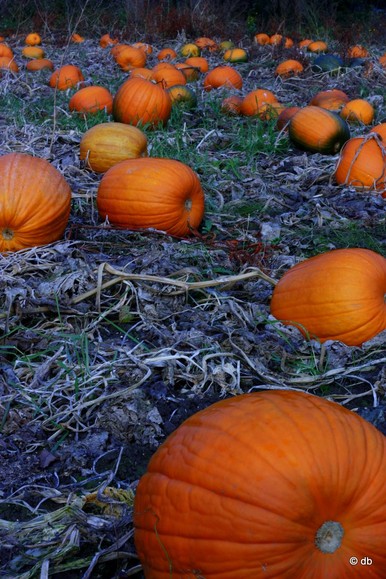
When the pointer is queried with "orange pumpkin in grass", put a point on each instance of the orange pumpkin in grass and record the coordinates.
(40, 64)
(107, 144)
(162, 194)
(337, 295)
(168, 76)
(67, 76)
(318, 130)
(235, 55)
(198, 62)
(145, 73)
(288, 68)
(145, 46)
(33, 39)
(222, 76)
(358, 111)
(91, 99)
(261, 38)
(129, 57)
(362, 163)
(255, 100)
(191, 73)
(33, 52)
(141, 101)
(317, 46)
(105, 41)
(285, 117)
(332, 99)
(35, 202)
(358, 51)
(8, 63)
(167, 54)
(231, 105)
(277, 484)
(6, 50)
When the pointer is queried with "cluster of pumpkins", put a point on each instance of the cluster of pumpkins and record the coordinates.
(141, 192)
(275, 484)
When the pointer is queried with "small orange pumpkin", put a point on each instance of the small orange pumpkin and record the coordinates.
(105, 41)
(255, 100)
(67, 76)
(261, 38)
(146, 47)
(305, 43)
(141, 101)
(8, 63)
(317, 46)
(107, 144)
(6, 50)
(288, 68)
(167, 54)
(222, 76)
(33, 39)
(90, 100)
(190, 73)
(77, 38)
(40, 64)
(277, 484)
(157, 193)
(380, 130)
(231, 105)
(198, 62)
(276, 39)
(33, 52)
(129, 57)
(318, 130)
(358, 111)
(235, 55)
(206, 43)
(168, 76)
(362, 163)
(358, 51)
(336, 295)
(35, 202)
(145, 73)
(181, 94)
(285, 116)
(332, 99)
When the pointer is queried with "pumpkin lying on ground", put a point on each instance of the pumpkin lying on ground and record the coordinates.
(91, 99)
(269, 485)
(318, 130)
(35, 202)
(337, 295)
(67, 76)
(222, 76)
(156, 193)
(107, 144)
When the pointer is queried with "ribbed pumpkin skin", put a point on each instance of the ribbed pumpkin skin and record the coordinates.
(337, 295)
(362, 164)
(157, 193)
(318, 130)
(255, 100)
(140, 101)
(107, 144)
(91, 99)
(65, 77)
(35, 202)
(222, 76)
(240, 489)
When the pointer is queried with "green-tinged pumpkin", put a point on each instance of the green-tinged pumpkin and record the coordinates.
(182, 95)
(156, 193)
(271, 485)
(107, 144)
(190, 49)
(330, 63)
(141, 101)
(235, 55)
(337, 295)
(35, 202)
(318, 130)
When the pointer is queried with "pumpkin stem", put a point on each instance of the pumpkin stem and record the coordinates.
(7, 233)
(329, 537)
(188, 204)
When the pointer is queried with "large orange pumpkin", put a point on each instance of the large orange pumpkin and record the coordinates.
(141, 101)
(318, 130)
(269, 485)
(107, 144)
(91, 99)
(362, 163)
(156, 193)
(67, 76)
(222, 76)
(337, 295)
(35, 202)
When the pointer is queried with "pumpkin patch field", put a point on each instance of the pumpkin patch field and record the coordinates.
(192, 305)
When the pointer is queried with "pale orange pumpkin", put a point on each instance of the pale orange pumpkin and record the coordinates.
(337, 295)
(206, 43)
(77, 38)
(380, 130)
(35, 202)
(362, 163)
(40, 64)
(285, 117)
(358, 51)
(145, 73)
(222, 76)
(190, 73)
(90, 100)
(67, 76)
(276, 484)
(107, 144)
(358, 111)
(33, 52)
(141, 101)
(145, 46)
(157, 193)
(235, 55)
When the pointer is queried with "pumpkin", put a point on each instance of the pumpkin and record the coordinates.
(382, 60)
(77, 38)
(141, 101)
(277, 484)
(157, 193)
(129, 57)
(336, 295)
(107, 144)
(317, 46)
(362, 163)
(261, 38)
(380, 130)
(276, 39)
(168, 76)
(8, 63)
(318, 130)
(33, 39)
(225, 45)
(190, 73)
(254, 101)
(6, 50)
(289, 68)
(40, 64)
(358, 51)
(182, 95)
(105, 41)
(146, 47)
(198, 62)
(190, 49)
(358, 111)
(145, 73)
(285, 116)
(167, 54)
(305, 43)
(206, 43)
(33, 52)
(332, 99)
(67, 76)
(235, 55)
(222, 76)
(91, 99)
(330, 63)
(35, 202)
(231, 105)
